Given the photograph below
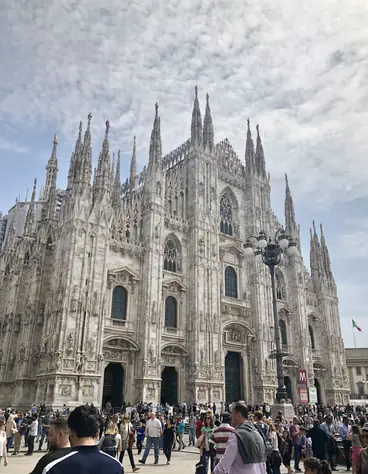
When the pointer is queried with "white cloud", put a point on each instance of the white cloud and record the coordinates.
(300, 70)
(11, 146)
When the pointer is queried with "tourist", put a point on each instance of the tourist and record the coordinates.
(85, 456)
(110, 441)
(58, 440)
(320, 441)
(140, 436)
(180, 431)
(11, 429)
(221, 435)
(33, 430)
(345, 435)
(362, 464)
(356, 446)
(203, 443)
(192, 429)
(168, 439)
(3, 440)
(127, 441)
(245, 450)
(153, 434)
(294, 429)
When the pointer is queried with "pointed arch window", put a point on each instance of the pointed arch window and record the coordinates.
(119, 303)
(311, 337)
(171, 312)
(280, 286)
(283, 334)
(231, 282)
(226, 215)
(172, 256)
(26, 258)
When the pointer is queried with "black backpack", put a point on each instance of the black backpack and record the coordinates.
(109, 445)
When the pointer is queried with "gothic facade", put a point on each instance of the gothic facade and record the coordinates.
(142, 291)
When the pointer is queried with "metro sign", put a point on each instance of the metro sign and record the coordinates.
(302, 380)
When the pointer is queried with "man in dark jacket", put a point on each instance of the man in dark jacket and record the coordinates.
(320, 441)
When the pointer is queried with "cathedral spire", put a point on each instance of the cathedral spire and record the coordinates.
(155, 151)
(325, 255)
(73, 160)
(208, 135)
(49, 208)
(117, 185)
(103, 166)
(290, 224)
(196, 128)
(249, 150)
(133, 166)
(259, 158)
(31, 214)
(84, 176)
(51, 170)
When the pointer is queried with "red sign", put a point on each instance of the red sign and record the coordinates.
(303, 395)
(302, 381)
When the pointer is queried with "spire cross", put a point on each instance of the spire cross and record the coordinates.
(55, 140)
(156, 109)
(89, 117)
(248, 123)
(107, 127)
(196, 91)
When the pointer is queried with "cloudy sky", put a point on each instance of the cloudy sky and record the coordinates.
(299, 69)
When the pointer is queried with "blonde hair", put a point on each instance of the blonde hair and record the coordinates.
(111, 429)
(272, 426)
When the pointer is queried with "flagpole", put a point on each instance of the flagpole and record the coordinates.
(354, 338)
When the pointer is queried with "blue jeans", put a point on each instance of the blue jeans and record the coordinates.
(296, 455)
(151, 441)
(9, 442)
(192, 436)
(206, 459)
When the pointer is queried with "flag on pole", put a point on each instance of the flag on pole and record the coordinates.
(356, 326)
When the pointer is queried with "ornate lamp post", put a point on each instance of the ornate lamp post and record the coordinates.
(271, 253)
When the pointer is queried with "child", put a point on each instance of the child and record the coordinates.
(140, 437)
(3, 450)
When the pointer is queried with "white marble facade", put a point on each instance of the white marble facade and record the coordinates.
(168, 244)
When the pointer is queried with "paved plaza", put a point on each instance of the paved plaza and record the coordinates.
(182, 462)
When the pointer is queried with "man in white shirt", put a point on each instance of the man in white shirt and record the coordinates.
(153, 434)
(33, 430)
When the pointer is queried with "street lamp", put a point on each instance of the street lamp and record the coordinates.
(271, 253)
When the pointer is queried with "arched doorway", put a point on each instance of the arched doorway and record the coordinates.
(233, 377)
(287, 383)
(113, 389)
(169, 386)
(318, 388)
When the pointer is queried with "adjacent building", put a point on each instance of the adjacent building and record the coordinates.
(357, 362)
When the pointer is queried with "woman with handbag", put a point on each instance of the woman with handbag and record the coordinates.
(127, 441)
(203, 443)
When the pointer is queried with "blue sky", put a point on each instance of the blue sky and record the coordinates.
(298, 69)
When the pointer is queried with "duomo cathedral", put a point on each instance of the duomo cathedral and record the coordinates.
(141, 291)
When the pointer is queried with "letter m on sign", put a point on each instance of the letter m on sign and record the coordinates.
(302, 377)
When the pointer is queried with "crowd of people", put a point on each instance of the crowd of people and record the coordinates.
(230, 439)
